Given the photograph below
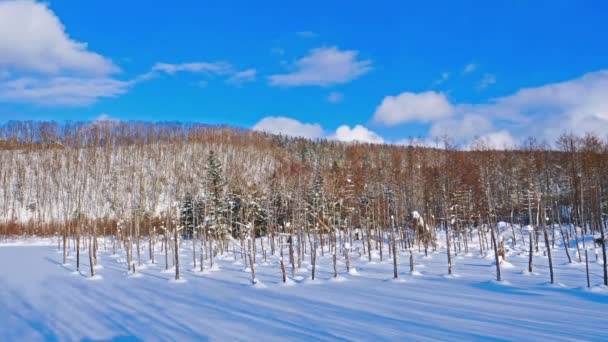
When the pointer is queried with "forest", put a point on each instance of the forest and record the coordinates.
(140, 188)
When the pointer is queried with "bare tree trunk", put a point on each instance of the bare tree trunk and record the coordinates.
(137, 231)
(65, 240)
(565, 244)
(578, 249)
(251, 263)
(194, 248)
(153, 245)
(548, 247)
(369, 245)
(176, 252)
(603, 243)
(531, 238)
(411, 261)
(394, 247)
(292, 260)
(150, 254)
(211, 253)
(78, 247)
(480, 241)
(313, 255)
(91, 260)
(347, 257)
(496, 260)
(334, 254)
(587, 267)
(202, 237)
(281, 260)
(447, 243)
(166, 249)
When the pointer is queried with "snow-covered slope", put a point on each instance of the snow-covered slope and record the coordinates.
(44, 300)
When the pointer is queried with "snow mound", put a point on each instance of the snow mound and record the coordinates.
(311, 281)
(338, 279)
(288, 282)
(397, 280)
(506, 265)
(600, 289)
(451, 276)
(259, 285)
(178, 281)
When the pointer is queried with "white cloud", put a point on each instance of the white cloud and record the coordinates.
(42, 65)
(406, 107)
(465, 127)
(208, 69)
(469, 68)
(358, 133)
(498, 140)
(486, 81)
(242, 76)
(292, 127)
(61, 91)
(288, 126)
(335, 97)
(104, 117)
(579, 105)
(217, 68)
(324, 67)
(33, 39)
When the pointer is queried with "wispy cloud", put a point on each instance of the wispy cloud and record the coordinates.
(62, 91)
(324, 67)
(241, 77)
(469, 68)
(216, 68)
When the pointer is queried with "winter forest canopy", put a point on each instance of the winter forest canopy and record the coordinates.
(141, 195)
(61, 179)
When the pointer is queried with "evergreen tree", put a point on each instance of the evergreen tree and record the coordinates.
(215, 191)
(186, 214)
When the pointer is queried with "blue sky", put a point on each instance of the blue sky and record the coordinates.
(377, 71)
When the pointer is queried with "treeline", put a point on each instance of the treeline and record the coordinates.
(57, 178)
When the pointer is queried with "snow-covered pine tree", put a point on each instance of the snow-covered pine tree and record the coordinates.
(215, 188)
(186, 214)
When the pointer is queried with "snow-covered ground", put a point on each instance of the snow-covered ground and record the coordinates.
(41, 299)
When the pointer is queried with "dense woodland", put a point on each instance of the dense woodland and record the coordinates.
(138, 184)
